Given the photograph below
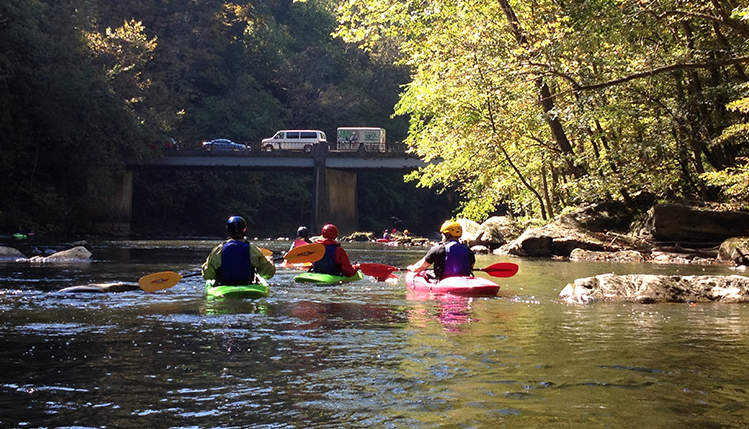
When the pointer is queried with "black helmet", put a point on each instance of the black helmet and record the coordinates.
(302, 232)
(236, 225)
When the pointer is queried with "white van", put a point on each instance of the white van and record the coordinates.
(294, 140)
(350, 138)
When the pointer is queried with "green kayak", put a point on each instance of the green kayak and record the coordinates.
(326, 279)
(251, 291)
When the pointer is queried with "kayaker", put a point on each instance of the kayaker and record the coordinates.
(335, 261)
(236, 261)
(302, 237)
(450, 258)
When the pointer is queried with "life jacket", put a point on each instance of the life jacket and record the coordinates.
(327, 264)
(300, 242)
(457, 260)
(236, 268)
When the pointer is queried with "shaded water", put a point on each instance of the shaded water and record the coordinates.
(364, 354)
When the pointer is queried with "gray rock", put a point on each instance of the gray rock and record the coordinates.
(481, 250)
(676, 222)
(493, 232)
(78, 253)
(620, 256)
(735, 249)
(470, 230)
(9, 253)
(646, 288)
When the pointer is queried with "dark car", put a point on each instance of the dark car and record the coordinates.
(224, 144)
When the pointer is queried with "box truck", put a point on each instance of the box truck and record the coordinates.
(351, 138)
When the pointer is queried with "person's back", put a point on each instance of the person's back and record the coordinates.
(457, 260)
(236, 267)
(450, 258)
(335, 261)
(236, 261)
(302, 234)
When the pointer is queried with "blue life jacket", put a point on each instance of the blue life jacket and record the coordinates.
(327, 264)
(457, 260)
(236, 268)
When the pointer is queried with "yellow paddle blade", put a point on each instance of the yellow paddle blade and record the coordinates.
(307, 253)
(266, 252)
(159, 281)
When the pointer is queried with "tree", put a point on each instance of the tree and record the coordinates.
(549, 104)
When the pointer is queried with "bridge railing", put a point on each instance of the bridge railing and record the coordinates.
(394, 150)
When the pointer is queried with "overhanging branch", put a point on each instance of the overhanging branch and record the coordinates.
(649, 73)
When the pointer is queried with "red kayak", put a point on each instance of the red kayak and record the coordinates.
(465, 285)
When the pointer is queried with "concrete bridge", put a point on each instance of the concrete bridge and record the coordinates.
(334, 177)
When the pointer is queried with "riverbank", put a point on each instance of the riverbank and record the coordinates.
(659, 233)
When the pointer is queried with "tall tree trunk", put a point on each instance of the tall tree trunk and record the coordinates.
(544, 96)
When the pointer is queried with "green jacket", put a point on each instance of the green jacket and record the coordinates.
(260, 263)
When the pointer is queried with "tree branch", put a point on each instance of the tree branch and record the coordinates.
(649, 73)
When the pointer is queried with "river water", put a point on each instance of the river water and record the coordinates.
(361, 355)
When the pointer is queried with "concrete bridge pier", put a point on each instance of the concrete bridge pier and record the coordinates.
(115, 219)
(335, 196)
(340, 205)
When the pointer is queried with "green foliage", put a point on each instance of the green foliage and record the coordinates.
(84, 84)
(544, 105)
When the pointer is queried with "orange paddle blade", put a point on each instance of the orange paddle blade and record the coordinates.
(159, 281)
(307, 253)
(266, 252)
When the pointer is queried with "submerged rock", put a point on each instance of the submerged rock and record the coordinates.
(647, 288)
(78, 253)
(101, 288)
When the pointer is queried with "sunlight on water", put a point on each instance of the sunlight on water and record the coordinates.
(365, 354)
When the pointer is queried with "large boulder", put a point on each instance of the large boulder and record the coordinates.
(736, 250)
(11, 254)
(678, 222)
(647, 288)
(552, 240)
(470, 230)
(605, 216)
(493, 232)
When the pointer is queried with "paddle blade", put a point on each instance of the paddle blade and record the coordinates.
(159, 281)
(266, 252)
(307, 253)
(500, 269)
(381, 271)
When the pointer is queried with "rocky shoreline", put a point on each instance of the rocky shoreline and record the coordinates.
(664, 233)
(615, 232)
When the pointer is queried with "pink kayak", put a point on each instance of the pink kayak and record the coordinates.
(466, 285)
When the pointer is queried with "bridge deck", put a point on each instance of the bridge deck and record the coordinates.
(201, 159)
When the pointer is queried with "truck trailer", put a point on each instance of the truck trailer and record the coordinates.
(351, 138)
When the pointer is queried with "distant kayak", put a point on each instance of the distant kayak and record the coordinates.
(250, 291)
(20, 236)
(464, 285)
(326, 279)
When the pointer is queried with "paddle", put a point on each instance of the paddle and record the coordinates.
(307, 253)
(162, 280)
(500, 269)
(167, 279)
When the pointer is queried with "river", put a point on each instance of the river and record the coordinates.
(361, 355)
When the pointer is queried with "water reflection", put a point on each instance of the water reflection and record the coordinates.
(449, 310)
(367, 354)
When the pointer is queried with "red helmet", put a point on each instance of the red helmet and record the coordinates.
(329, 231)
